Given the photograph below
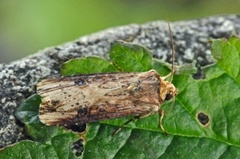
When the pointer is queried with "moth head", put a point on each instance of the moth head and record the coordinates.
(167, 90)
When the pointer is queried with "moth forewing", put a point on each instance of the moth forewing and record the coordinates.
(88, 98)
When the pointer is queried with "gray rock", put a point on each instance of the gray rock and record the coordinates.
(18, 79)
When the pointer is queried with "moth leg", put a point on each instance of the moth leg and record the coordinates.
(161, 115)
(168, 75)
(130, 120)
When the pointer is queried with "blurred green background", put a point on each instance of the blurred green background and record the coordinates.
(28, 26)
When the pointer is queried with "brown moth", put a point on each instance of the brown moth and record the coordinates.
(93, 97)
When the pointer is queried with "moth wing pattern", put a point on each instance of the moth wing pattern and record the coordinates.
(89, 98)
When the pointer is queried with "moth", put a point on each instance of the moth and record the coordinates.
(88, 98)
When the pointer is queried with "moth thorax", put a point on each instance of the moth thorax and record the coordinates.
(167, 90)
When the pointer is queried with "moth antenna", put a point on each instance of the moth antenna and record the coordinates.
(173, 52)
(173, 57)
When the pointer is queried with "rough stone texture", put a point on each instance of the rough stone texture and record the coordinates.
(18, 79)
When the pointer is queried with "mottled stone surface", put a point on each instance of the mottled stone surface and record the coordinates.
(19, 78)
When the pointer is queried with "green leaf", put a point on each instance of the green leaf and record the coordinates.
(187, 69)
(131, 57)
(29, 150)
(42, 133)
(128, 143)
(27, 112)
(87, 65)
(227, 54)
(162, 67)
(141, 143)
(60, 147)
(165, 68)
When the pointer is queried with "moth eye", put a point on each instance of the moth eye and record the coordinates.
(168, 96)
